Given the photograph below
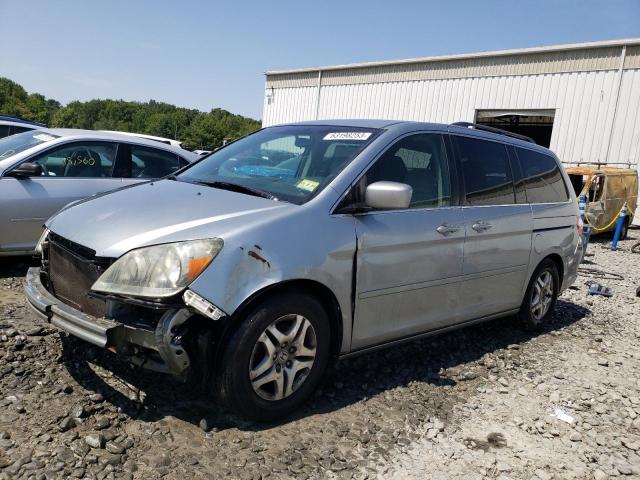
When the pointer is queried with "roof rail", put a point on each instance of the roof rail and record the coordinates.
(16, 118)
(486, 128)
(601, 164)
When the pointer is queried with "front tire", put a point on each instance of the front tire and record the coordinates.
(540, 297)
(275, 358)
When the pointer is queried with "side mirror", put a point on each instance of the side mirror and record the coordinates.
(27, 169)
(388, 195)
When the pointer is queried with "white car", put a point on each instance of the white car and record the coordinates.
(10, 125)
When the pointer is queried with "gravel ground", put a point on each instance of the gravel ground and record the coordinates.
(476, 403)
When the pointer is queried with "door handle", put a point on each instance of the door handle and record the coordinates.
(445, 229)
(481, 226)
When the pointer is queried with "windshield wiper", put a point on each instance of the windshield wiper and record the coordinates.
(234, 187)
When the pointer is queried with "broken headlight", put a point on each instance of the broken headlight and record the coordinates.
(160, 270)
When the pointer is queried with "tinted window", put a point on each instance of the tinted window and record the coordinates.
(13, 130)
(419, 161)
(4, 131)
(486, 172)
(542, 177)
(80, 159)
(149, 162)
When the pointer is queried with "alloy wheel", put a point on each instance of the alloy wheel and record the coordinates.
(282, 357)
(541, 295)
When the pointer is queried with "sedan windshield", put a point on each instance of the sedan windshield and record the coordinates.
(290, 163)
(19, 142)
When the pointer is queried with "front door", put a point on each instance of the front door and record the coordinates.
(409, 262)
(70, 172)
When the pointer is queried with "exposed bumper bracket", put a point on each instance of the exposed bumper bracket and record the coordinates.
(113, 335)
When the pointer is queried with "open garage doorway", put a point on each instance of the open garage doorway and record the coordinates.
(537, 124)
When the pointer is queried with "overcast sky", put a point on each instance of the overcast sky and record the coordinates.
(207, 54)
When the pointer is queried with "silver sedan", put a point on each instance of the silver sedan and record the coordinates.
(43, 170)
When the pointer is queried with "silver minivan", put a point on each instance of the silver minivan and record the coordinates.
(253, 268)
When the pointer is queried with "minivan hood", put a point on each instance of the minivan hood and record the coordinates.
(159, 212)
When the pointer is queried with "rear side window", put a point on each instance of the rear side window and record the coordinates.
(149, 162)
(542, 177)
(486, 172)
(13, 130)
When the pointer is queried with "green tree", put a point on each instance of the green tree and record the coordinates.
(14, 100)
(197, 130)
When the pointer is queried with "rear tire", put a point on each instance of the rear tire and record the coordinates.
(540, 297)
(275, 358)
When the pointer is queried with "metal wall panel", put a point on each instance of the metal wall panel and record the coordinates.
(284, 105)
(286, 80)
(632, 59)
(582, 60)
(533, 64)
(625, 139)
(584, 104)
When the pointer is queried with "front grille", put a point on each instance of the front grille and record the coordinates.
(72, 269)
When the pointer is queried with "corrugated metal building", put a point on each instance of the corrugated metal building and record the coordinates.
(581, 100)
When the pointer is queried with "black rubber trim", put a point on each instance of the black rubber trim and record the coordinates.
(552, 228)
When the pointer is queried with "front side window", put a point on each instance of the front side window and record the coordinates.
(421, 162)
(13, 144)
(147, 162)
(486, 172)
(542, 177)
(290, 163)
(79, 159)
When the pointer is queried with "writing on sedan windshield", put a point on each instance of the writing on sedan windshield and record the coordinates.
(79, 160)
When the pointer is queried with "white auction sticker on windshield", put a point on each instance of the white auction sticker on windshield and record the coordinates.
(43, 137)
(361, 136)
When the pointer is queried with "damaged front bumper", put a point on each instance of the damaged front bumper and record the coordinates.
(158, 347)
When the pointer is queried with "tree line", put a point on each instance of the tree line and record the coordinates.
(196, 129)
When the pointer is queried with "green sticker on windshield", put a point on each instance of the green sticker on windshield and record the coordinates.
(308, 185)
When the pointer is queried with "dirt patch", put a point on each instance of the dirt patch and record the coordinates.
(567, 408)
(475, 403)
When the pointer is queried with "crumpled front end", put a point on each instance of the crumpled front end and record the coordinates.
(160, 335)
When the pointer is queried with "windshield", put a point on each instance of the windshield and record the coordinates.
(290, 163)
(13, 144)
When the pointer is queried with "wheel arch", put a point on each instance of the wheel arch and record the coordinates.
(557, 259)
(314, 288)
